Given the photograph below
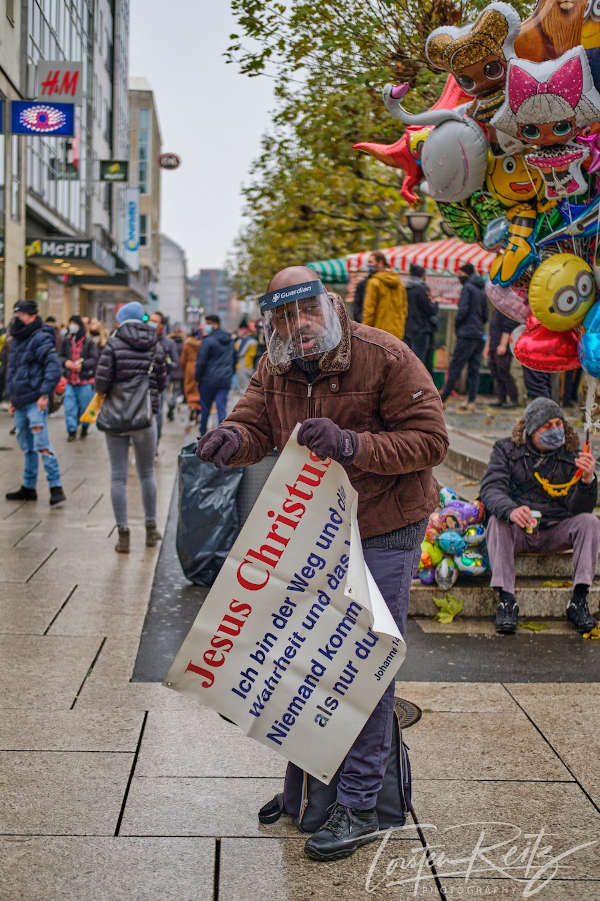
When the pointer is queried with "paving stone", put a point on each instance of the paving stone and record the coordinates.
(62, 794)
(43, 672)
(103, 694)
(204, 807)
(565, 715)
(106, 869)
(556, 890)
(24, 609)
(70, 730)
(176, 743)
(466, 626)
(23, 565)
(509, 815)
(280, 871)
(481, 746)
(486, 697)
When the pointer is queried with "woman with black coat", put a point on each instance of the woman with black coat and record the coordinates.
(131, 351)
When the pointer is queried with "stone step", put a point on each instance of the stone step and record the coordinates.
(547, 566)
(481, 600)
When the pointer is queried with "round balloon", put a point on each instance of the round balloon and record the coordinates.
(451, 542)
(508, 301)
(454, 160)
(589, 344)
(474, 535)
(431, 555)
(447, 495)
(446, 573)
(545, 351)
(471, 562)
(561, 291)
(426, 575)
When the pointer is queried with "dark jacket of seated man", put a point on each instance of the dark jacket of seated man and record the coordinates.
(541, 469)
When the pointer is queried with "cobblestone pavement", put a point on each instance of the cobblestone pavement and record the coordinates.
(112, 789)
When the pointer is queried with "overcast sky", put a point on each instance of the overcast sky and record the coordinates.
(211, 116)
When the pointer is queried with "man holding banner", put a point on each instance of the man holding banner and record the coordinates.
(367, 402)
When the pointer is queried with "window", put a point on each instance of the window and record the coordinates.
(10, 11)
(143, 230)
(143, 149)
(15, 181)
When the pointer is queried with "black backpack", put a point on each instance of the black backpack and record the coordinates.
(307, 800)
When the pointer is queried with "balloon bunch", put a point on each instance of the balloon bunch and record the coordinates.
(454, 542)
(511, 155)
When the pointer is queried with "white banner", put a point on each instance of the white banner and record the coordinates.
(294, 642)
(131, 229)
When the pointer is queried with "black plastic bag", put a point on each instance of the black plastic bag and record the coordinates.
(208, 522)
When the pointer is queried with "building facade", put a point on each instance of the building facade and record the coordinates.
(72, 220)
(145, 146)
(172, 283)
(212, 290)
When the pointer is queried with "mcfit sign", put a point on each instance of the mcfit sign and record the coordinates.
(89, 256)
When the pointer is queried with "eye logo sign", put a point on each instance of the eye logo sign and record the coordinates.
(43, 119)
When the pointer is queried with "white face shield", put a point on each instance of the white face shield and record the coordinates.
(300, 322)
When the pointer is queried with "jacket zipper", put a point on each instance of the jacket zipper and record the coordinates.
(309, 395)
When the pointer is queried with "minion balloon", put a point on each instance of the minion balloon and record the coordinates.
(561, 291)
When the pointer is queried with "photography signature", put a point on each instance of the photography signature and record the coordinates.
(496, 849)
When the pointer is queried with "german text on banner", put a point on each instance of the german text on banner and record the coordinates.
(294, 642)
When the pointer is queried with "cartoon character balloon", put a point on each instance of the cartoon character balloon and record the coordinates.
(561, 291)
(508, 301)
(545, 106)
(447, 495)
(477, 55)
(426, 575)
(473, 563)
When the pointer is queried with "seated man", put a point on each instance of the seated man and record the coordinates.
(541, 469)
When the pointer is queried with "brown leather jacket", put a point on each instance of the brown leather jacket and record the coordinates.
(371, 383)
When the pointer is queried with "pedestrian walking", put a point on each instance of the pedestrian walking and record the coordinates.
(385, 305)
(499, 355)
(366, 401)
(215, 367)
(79, 355)
(133, 350)
(421, 321)
(470, 323)
(3, 360)
(175, 386)
(541, 470)
(359, 294)
(33, 373)
(187, 360)
(246, 354)
(170, 350)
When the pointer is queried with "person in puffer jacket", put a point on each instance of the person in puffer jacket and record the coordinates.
(33, 373)
(133, 350)
(470, 323)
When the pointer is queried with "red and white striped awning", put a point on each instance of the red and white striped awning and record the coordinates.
(442, 257)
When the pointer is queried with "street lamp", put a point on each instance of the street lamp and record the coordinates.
(418, 223)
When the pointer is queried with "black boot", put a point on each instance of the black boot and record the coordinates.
(507, 613)
(57, 495)
(578, 612)
(344, 832)
(23, 494)
(84, 430)
(72, 436)
(272, 810)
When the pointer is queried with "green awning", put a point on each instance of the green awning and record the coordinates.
(332, 271)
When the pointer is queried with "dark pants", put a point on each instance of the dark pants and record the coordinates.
(422, 346)
(571, 389)
(208, 396)
(503, 381)
(364, 767)
(538, 384)
(467, 351)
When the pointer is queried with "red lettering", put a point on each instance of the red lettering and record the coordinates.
(246, 583)
(225, 643)
(192, 668)
(69, 83)
(241, 608)
(213, 658)
(50, 86)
